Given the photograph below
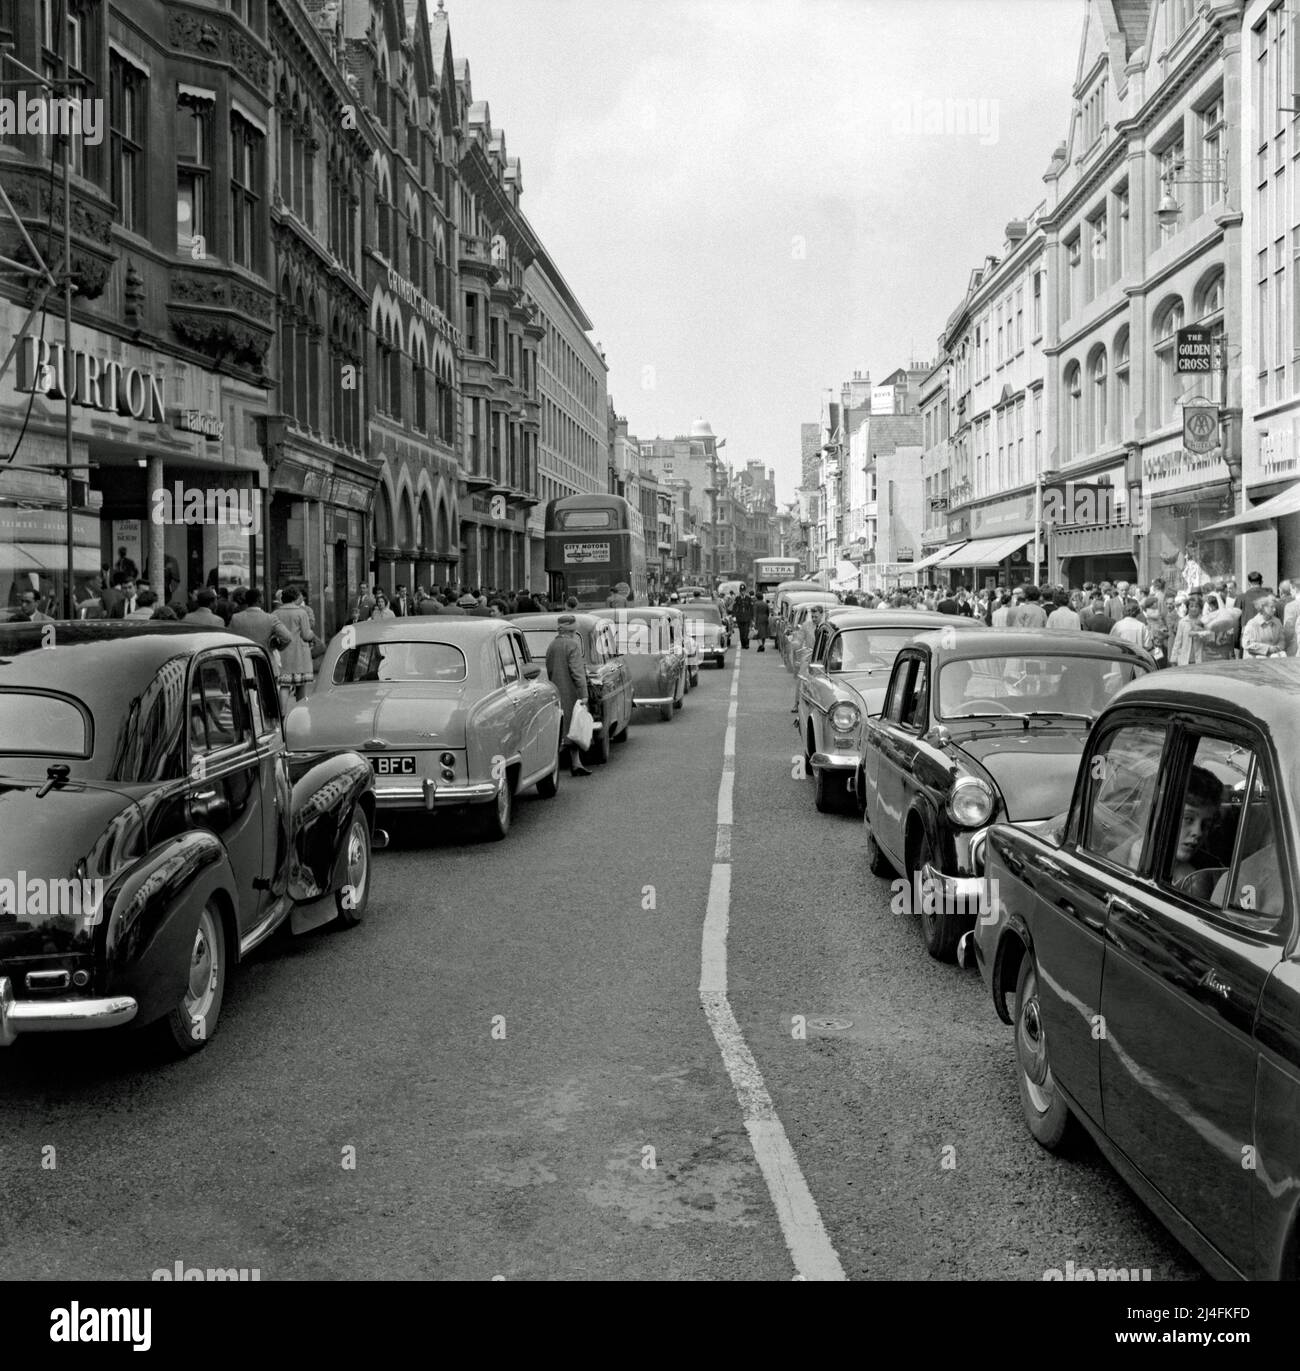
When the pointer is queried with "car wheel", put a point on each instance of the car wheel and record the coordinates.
(598, 752)
(666, 712)
(860, 792)
(695, 678)
(829, 791)
(621, 735)
(190, 1026)
(940, 928)
(549, 786)
(877, 863)
(810, 746)
(494, 823)
(1046, 1112)
(681, 694)
(352, 897)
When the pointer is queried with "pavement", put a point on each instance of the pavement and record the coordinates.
(506, 1071)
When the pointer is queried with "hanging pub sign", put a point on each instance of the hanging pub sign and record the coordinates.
(1195, 350)
(1200, 428)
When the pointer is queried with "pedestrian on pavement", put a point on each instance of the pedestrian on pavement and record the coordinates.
(1031, 613)
(296, 669)
(1063, 617)
(203, 613)
(1263, 635)
(254, 623)
(1132, 628)
(1188, 647)
(743, 613)
(363, 606)
(145, 604)
(802, 642)
(1220, 623)
(763, 622)
(1289, 609)
(567, 672)
(1095, 619)
(382, 609)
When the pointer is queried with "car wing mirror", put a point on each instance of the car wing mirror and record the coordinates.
(816, 669)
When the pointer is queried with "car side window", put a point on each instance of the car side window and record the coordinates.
(263, 698)
(506, 656)
(835, 654)
(1120, 793)
(900, 690)
(217, 708)
(914, 701)
(1221, 847)
(522, 655)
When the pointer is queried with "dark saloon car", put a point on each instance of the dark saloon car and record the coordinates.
(978, 725)
(151, 832)
(608, 678)
(1149, 944)
(843, 685)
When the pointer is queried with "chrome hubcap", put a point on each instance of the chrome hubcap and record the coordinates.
(1031, 1047)
(358, 863)
(204, 967)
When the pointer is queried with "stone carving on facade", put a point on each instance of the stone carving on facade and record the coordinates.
(191, 33)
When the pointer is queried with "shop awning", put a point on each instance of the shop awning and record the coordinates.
(47, 557)
(983, 552)
(936, 557)
(1260, 517)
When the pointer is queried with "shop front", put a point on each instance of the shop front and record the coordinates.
(160, 484)
(998, 550)
(1183, 494)
(494, 548)
(1271, 469)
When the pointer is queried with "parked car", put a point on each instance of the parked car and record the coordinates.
(978, 725)
(690, 646)
(146, 792)
(608, 679)
(651, 642)
(706, 626)
(1148, 943)
(451, 713)
(843, 685)
(799, 608)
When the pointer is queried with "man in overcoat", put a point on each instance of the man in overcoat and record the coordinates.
(567, 672)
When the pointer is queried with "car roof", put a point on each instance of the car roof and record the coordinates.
(457, 629)
(549, 621)
(852, 617)
(1011, 642)
(637, 611)
(1267, 691)
(105, 663)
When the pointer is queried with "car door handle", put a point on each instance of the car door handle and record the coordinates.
(205, 795)
(1117, 904)
(1052, 868)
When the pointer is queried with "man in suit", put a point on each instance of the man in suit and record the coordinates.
(255, 623)
(203, 612)
(1094, 618)
(113, 598)
(567, 672)
(743, 613)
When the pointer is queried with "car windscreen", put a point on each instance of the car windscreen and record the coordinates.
(399, 661)
(992, 687)
(868, 649)
(33, 723)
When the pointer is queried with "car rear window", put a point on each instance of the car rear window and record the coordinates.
(538, 640)
(36, 723)
(399, 661)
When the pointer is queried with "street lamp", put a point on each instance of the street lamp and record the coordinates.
(1189, 173)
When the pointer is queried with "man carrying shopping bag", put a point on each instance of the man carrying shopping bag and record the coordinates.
(567, 672)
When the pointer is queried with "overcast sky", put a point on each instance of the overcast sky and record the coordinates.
(754, 198)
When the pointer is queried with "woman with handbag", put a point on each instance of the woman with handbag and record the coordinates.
(296, 666)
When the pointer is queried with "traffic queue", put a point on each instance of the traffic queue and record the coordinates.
(1100, 812)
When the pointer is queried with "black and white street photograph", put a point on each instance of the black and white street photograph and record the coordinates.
(409, 870)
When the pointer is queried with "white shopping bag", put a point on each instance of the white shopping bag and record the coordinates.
(581, 726)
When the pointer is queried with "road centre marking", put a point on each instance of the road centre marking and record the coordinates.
(796, 1210)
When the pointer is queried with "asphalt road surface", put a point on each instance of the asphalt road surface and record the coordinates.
(505, 1071)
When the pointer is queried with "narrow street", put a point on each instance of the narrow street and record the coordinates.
(516, 1025)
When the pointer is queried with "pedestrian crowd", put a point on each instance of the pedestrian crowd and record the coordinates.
(1179, 627)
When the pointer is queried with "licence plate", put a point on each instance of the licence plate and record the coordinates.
(393, 766)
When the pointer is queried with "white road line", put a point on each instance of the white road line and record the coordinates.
(796, 1210)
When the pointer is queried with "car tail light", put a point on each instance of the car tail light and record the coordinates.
(448, 759)
(448, 774)
(81, 979)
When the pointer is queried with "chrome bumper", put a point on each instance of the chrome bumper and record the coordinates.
(962, 896)
(58, 1016)
(835, 761)
(653, 702)
(427, 795)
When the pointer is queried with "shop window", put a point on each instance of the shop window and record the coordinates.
(1074, 412)
(1098, 409)
(81, 45)
(1167, 393)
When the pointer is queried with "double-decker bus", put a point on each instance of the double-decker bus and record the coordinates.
(769, 572)
(592, 544)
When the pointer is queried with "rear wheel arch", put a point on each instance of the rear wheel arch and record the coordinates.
(1011, 951)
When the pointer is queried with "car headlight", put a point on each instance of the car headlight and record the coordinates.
(970, 802)
(845, 718)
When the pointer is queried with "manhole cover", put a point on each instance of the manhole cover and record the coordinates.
(830, 1024)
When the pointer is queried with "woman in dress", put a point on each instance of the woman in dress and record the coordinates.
(1188, 647)
(296, 672)
(382, 609)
